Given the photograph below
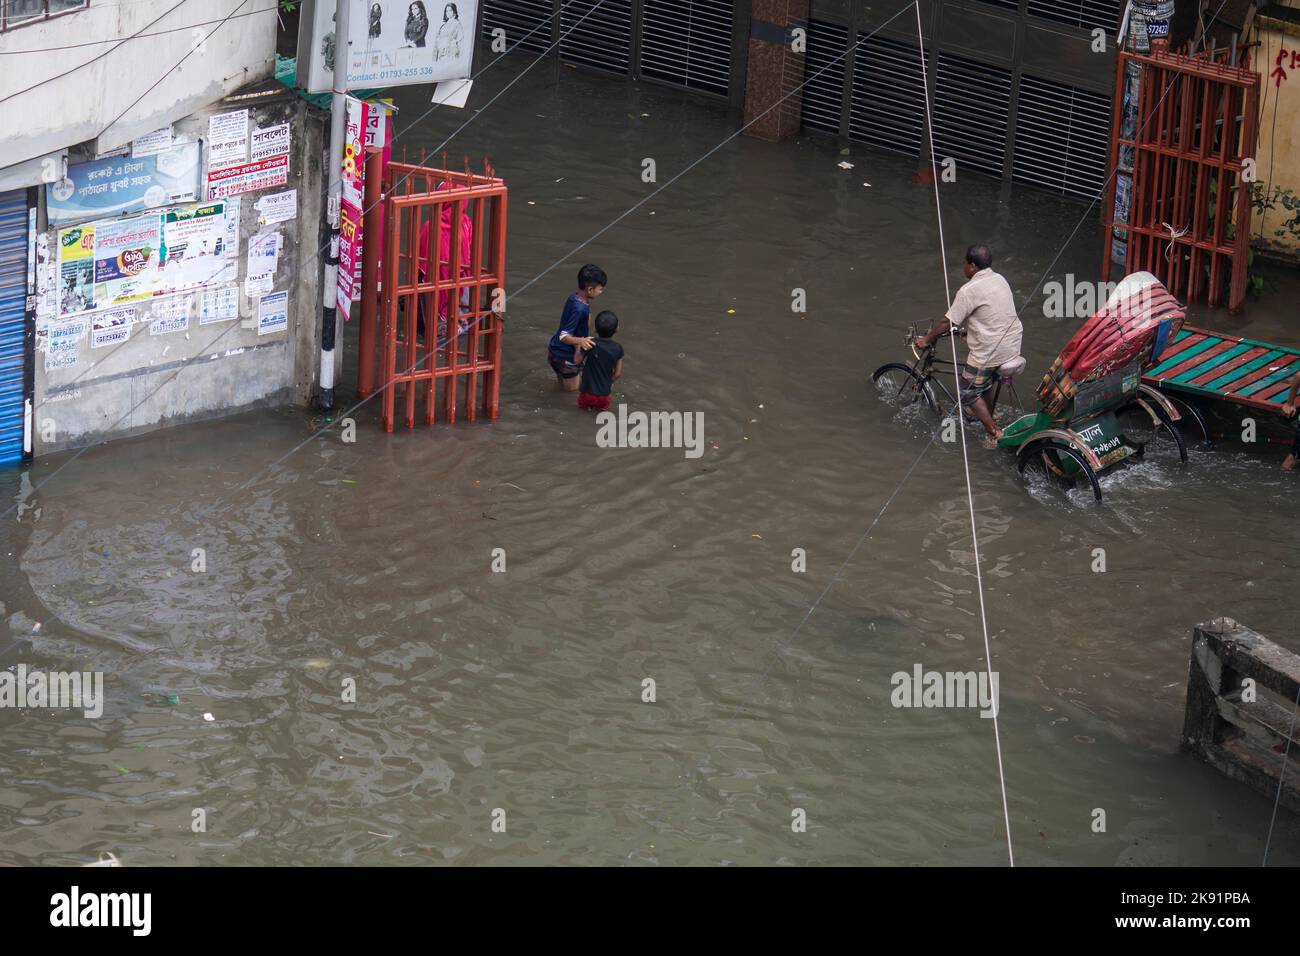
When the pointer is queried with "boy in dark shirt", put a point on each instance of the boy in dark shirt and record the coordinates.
(564, 353)
(603, 366)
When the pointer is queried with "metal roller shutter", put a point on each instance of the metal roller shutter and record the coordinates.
(597, 34)
(13, 323)
(1062, 137)
(888, 108)
(687, 43)
(823, 79)
(527, 23)
(1080, 13)
(971, 104)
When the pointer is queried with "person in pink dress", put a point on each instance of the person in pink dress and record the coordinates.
(444, 265)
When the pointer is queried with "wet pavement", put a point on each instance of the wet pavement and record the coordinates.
(521, 692)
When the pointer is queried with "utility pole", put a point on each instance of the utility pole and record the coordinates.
(338, 112)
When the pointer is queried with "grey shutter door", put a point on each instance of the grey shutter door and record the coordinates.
(597, 35)
(971, 104)
(687, 43)
(888, 108)
(527, 23)
(823, 79)
(13, 323)
(1087, 14)
(1062, 138)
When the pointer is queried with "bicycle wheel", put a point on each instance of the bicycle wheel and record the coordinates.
(899, 385)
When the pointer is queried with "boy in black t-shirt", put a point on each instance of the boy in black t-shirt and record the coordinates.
(603, 365)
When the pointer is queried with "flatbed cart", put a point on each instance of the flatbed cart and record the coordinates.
(1215, 379)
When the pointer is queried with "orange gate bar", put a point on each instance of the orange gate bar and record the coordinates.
(443, 292)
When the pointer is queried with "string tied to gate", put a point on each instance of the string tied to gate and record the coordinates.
(1174, 236)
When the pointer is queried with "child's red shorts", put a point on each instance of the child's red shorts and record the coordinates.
(598, 403)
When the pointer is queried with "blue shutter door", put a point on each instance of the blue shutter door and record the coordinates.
(13, 322)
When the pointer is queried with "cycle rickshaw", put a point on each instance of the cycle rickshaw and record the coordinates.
(1094, 410)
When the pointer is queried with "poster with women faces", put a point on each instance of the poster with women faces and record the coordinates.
(390, 43)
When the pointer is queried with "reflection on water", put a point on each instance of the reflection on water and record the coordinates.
(522, 691)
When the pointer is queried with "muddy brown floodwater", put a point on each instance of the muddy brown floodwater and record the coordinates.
(521, 691)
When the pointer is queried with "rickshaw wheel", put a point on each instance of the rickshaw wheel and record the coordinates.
(1049, 457)
(900, 384)
(1166, 424)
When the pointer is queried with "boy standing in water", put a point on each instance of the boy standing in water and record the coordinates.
(603, 366)
(573, 338)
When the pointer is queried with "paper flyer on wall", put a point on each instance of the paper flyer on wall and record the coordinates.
(194, 240)
(151, 144)
(219, 305)
(273, 313)
(171, 314)
(111, 326)
(63, 344)
(227, 139)
(248, 177)
(126, 259)
(263, 253)
(269, 141)
(277, 207)
(76, 270)
(230, 247)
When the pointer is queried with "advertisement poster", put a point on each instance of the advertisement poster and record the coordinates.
(247, 177)
(271, 141)
(126, 259)
(193, 247)
(120, 184)
(273, 313)
(353, 189)
(76, 273)
(227, 139)
(111, 326)
(171, 315)
(218, 305)
(349, 256)
(391, 43)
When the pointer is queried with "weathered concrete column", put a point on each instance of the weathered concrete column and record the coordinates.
(775, 70)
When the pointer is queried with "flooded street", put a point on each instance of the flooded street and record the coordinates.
(479, 692)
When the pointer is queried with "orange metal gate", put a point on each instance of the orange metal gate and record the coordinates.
(1189, 207)
(442, 297)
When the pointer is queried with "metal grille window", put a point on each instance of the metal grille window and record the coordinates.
(823, 75)
(971, 104)
(16, 13)
(596, 34)
(527, 23)
(1062, 137)
(1080, 13)
(687, 43)
(888, 106)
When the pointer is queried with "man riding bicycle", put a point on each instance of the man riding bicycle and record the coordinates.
(984, 312)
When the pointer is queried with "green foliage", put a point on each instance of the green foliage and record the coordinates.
(1264, 201)
(288, 6)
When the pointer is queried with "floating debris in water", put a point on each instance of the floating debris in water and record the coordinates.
(208, 717)
(105, 859)
(844, 165)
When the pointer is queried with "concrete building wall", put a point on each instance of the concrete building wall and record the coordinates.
(58, 87)
(152, 381)
(1277, 30)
